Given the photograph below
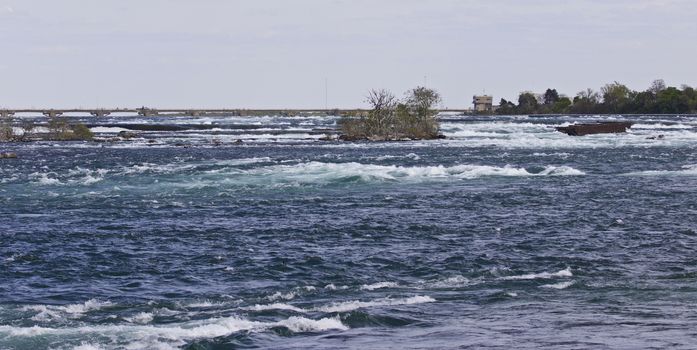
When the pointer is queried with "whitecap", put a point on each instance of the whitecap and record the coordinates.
(174, 335)
(107, 130)
(87, 346)
(302, 324)
(687, 170)
(274, 306)
(560, 285)
(283, 296)
(661, 126)
(203, 304)
(50, 312)
(543, 275)
(450, 282)
(140, 318)
(355, 304)
(379, 285)
(44, 179)
(319, 172)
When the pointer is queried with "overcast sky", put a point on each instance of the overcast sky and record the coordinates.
(278, 53)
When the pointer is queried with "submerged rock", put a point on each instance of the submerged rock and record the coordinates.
(8, 155)
(127, 135)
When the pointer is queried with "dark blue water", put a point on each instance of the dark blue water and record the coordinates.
(506, 235)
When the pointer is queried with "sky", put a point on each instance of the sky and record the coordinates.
(317, 53)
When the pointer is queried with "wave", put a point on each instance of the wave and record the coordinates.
(353, 305)
(107, 130)
(274, 306)
(687, 170)
(149, 336)
(141, 318)
(281, 296)
(661, 126)
(450, 282)
(313, 172)
(51, 312)
(379, 285)
(560, 285)
(543, 275)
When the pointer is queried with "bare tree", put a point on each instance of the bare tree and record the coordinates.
(381, 117)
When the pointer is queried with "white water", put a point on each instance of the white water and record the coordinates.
(542, 275)
(171, 335)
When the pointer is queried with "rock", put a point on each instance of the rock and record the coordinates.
(238, 142)
(659, 137)
(596, 128)
(8, 155)
(127, 135)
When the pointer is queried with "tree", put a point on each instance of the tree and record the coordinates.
(383, 103)
(551, 97)
(506, 107)
(672, 100)
(615, 97)
(586, 101)
(527, 103)
(691, 96)
(421, 101)
(657, 86)
(644, 102)
(562, 105)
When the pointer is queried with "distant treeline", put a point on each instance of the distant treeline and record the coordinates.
(614, 98)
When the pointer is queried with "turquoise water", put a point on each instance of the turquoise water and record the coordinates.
(507, 234)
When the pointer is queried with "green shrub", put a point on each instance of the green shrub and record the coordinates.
(7, 133)
(82, 132)
(60, 130)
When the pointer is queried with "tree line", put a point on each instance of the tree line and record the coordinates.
(613, 98)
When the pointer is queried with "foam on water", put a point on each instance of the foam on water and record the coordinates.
(379, 285)
(176, 334)
(281, 296)
(107, 130)
(560, 285)
(662, 126)
(353, 305)
(45, 313)
(543, 275)
(687, 170)
(274, 306)
(313, 172)
(141, 318)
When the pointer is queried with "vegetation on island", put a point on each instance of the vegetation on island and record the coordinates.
(613, 98)
(390, 118)
(57, 129)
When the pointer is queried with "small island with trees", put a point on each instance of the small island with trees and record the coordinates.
(57, 129)
(392, 119)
